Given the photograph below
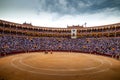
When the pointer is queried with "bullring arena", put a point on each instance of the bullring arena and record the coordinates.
(60, 66)
(30, 52)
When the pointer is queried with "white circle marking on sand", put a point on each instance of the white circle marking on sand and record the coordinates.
(89, 68)
(16, 66)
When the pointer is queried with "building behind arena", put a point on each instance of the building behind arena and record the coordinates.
(17, 38)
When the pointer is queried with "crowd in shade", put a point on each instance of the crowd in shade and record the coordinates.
(15, 44)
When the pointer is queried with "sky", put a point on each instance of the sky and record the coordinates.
(61, 13)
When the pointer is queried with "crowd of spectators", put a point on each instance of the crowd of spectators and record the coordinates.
(16, 44)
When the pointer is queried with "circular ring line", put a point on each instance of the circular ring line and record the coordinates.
(20, 60)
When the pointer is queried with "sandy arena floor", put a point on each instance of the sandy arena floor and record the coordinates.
(59, 66)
